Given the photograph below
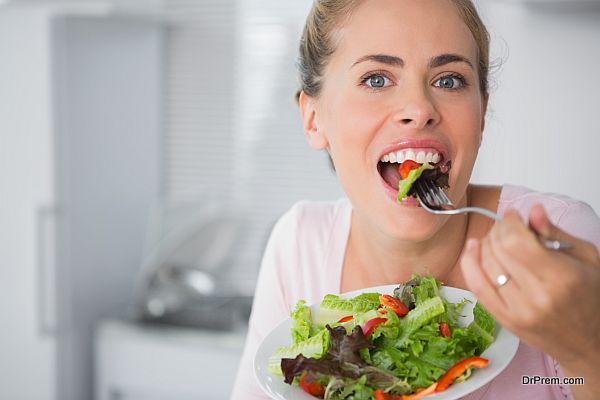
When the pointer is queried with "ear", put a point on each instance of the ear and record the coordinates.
(308, 112)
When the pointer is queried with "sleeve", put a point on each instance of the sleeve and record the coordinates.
(270, 305)
(580, 220)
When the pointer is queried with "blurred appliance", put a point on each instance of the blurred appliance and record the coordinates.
(186, 275)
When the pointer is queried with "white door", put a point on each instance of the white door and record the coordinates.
(27, 344)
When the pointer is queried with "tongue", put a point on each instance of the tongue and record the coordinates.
(390, 174)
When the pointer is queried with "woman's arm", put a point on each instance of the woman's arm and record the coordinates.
(551, 299)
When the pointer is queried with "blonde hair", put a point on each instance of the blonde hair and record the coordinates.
(318, 40)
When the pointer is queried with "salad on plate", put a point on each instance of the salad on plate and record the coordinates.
(401, 346)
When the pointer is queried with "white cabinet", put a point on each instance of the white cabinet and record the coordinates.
(141, 362)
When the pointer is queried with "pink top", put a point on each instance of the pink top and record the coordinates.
(303, 260)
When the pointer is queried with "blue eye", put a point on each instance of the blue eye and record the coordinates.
(376, 81)
(450, 82)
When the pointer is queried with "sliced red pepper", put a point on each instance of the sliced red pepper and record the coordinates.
(421, 392)
(346, 319)
(445, 330)
(406, 167)
(381, 395)
(394, 304)
(313, 388)
(458, 369)
(369, 326)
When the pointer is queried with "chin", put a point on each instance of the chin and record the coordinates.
(414, 225)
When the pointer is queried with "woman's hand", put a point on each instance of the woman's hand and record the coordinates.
(551, 299)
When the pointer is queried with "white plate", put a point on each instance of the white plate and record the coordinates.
(499, 353)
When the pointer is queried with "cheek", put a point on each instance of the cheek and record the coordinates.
(466, 137)
(351, 126)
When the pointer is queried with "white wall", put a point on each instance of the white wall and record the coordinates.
(542, 126)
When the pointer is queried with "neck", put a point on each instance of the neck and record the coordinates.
(379, 259)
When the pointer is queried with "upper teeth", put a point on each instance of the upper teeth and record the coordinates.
(419, 155)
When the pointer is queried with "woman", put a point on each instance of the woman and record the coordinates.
(386, 80)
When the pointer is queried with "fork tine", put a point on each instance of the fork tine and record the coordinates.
(446, 199)
(420, 192)
(433, 190)
(425, 193)
(443, 200)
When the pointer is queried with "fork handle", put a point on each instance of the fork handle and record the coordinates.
(547, 243)
(478, 210)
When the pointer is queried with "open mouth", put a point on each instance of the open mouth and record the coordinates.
(389, 166)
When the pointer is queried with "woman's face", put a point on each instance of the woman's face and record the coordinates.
(402, 80)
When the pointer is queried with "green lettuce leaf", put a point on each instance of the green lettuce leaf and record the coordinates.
(483, 318)
(315, 347)
(406, 184)
(365, 302)
(419, 316)
(340, 389)
(427, 288)
(481, 330)
(453, 312)
(333, 308)
(301, 322)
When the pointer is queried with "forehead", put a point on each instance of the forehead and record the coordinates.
(414, 30)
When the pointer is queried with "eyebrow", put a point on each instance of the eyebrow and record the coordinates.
(435, 62)
(381, 58)
(444, 59)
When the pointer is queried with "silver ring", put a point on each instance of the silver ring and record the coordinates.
(556, 244)
(501, 280)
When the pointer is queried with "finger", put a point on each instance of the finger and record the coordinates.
(508, 280)
(541, 224)
(478, 282)
(517, 249)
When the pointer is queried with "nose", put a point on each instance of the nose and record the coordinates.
(416, 111)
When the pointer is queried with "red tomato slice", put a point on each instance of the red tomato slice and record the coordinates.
(406, 167)
(313, 388)
(394, 304)
(346, 319)
(445, 330)
(370, 325)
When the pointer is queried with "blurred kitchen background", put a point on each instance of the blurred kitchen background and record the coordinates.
(148, 146)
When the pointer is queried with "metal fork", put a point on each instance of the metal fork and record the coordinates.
(434, 200)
